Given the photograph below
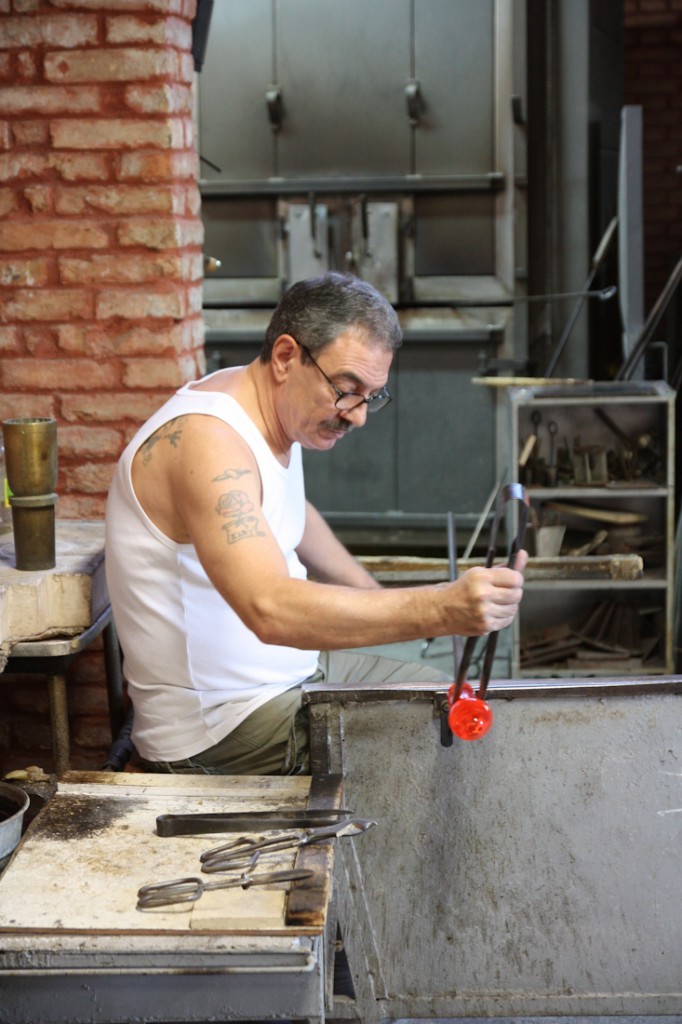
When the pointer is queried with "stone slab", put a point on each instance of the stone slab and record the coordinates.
(54, 602)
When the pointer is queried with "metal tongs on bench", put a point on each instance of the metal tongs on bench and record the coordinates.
(189, 890)
(469, 716)
(231, 855)
(241, 856)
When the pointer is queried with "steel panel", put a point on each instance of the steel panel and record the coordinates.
(534, 873)
(234, 128)
(446, 433)
(454, 64)
(454, 235)
(343, 70)
(243, 235)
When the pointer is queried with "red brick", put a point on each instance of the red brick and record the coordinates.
(78, 506)
(16, 405)
(40, 342)
(8, 201)
(165, 373)
(113, 268)
(24, 235)
(40, 198)
(30, 133)
(24, 273)
(48, 304)
(159, 99)
(137, 305)
(120, 199)
(170, 31)
(89, 477)
(9, 340)
(153, 166)
(110, 407)
(116, 133)
(63, 30)
(48, 99)
(80, 441)
(80, 167)
(184, 8)
(113, 65)
(91, 733)
(134, 339)
(27, 67)
(83, 699)
(58, 374)
(161, 234)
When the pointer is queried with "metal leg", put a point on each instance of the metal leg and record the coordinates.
(59, 716)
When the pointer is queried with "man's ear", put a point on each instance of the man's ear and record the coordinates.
(285, 351)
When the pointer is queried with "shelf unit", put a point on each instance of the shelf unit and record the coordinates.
(605, 467)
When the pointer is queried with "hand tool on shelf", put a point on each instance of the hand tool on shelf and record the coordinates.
(470, 716)
(189, 889)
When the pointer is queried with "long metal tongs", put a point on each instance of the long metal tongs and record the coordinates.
(230, 855)
(189, 890)
(510, 492)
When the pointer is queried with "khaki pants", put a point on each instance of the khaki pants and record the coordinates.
(274, 739)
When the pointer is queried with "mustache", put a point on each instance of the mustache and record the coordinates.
(341, 425)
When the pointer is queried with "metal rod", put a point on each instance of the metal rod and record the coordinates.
(597, 261)
(484, 514)
(452, 563)
(603, 294)
(660, 306)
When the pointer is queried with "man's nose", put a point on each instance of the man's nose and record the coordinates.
(356, 416)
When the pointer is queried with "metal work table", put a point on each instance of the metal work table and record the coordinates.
(533, 873)
(74, 948)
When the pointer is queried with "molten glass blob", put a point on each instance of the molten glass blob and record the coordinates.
(470, 717)
(466, 691)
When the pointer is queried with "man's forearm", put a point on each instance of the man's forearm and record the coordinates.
(326, 558)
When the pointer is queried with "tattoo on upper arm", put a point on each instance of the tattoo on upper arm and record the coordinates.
(236, 508)
(171, 431)
(230, 474)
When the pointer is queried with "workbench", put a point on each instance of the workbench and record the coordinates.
(74, 948)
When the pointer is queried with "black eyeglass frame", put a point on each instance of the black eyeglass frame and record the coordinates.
(384, 396)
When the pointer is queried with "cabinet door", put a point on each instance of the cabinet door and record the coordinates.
(454, 53)
(343, 68)
(234, 129)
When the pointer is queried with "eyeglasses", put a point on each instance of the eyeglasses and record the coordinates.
(346, 401)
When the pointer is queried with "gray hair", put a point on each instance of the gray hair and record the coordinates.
(315, 312)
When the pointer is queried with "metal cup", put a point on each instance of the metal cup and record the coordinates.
(31, 465)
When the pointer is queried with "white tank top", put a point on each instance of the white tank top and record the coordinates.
(194, 670)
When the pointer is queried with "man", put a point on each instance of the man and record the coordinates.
(226, 584)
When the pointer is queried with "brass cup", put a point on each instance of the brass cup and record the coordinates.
(30, 456)
(31, 465)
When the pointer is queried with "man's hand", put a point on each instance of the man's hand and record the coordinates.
(487, 600)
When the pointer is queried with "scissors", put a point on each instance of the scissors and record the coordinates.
(230, 855)
(189, 890)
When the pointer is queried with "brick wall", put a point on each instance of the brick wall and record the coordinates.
(653, 80)
(100, 266)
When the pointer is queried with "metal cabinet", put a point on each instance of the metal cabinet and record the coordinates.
(598, 461)
(408, 88)
(376, 139)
